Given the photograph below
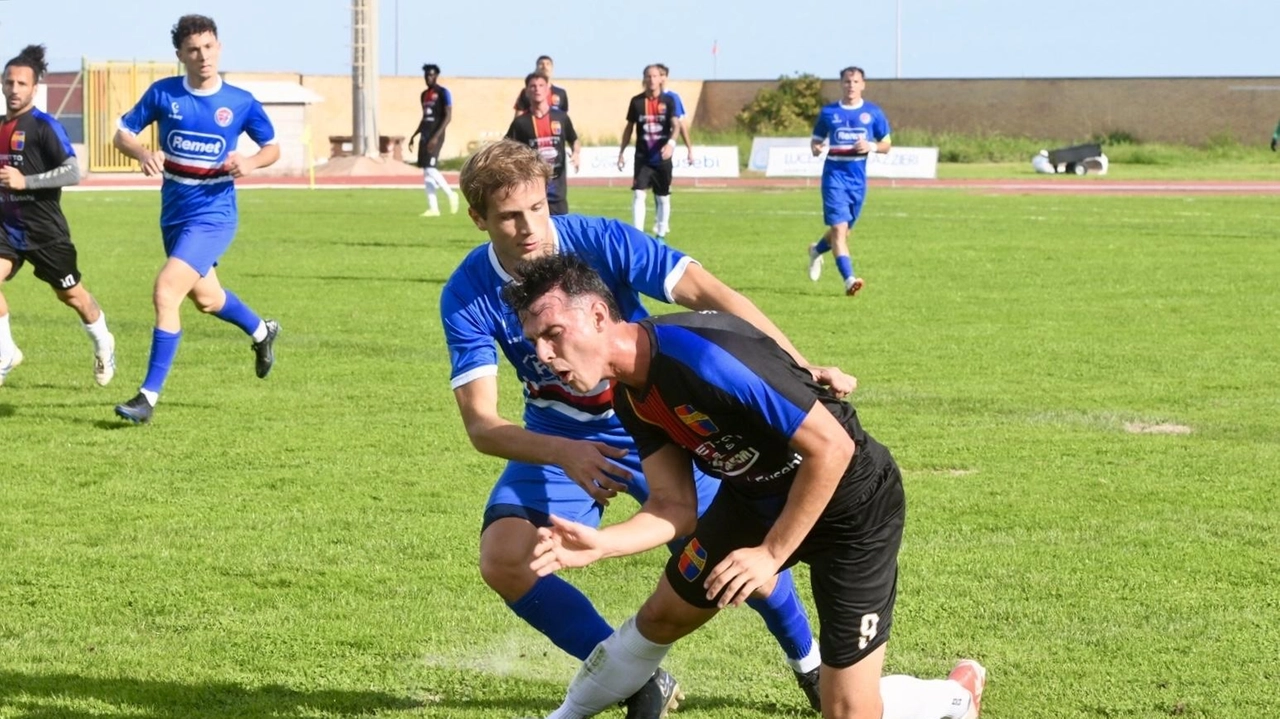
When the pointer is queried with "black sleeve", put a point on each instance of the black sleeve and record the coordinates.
(649, 439)
(522, 102)
(570, 134)
(52, 151)
(564, 100)
(513, 131)
(633, 113)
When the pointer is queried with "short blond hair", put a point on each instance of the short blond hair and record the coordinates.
(504, 165)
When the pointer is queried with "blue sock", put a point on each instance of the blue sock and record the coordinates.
(164, 347)
(845, 265)
(823, 246)
(238, 314)
(565, 615)
(784, 616)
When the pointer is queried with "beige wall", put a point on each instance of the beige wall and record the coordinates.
(481, 106)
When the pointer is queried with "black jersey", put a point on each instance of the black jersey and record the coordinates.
(559, 100)
(655, 119)
(731, 397)
(434, 100)
(551, 135)
(33, 142)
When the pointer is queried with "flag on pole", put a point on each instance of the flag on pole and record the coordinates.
(715, 47)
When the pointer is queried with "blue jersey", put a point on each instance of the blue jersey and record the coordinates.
(677, 105)
(477, 322)
(841, 126)
(198, 128)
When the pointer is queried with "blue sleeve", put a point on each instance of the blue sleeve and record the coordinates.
(257, 125)
(881, 125)
(820, 128)
(677, 105)
(472, 349)
(448, 98)
(57, 146)
(652, 268)
(144, 113)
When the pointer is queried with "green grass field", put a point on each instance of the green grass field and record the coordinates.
(306, 546)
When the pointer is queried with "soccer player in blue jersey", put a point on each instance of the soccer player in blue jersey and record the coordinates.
(651, 116)
(802, 481)
(200, 118)
(36, 162)
(849, 130)
(571, 457)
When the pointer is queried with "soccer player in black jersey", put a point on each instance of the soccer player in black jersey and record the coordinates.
(548, 130)
(437, 113)
(801, 482)
(652, 116)
(558, 98)
(36, 162)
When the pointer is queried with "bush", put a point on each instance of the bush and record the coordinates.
(788, 109)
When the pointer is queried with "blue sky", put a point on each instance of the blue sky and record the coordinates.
(755, 39)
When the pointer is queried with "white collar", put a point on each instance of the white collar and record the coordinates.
(201, 93)
(861, 101)
(497, 264)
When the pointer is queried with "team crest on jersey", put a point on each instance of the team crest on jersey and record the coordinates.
(18, 140)
(223, 116)
(692, 560)
(555, 127)
(555, 99)
(662, 107)
(865, 118)
(697, 421)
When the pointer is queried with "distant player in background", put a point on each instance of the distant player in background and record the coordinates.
(849, 130)
(682, 125)
(200, 119)
(651, 115)
(1275, 137)
(558, 98)
(36, 162)
(548, 131)
(437, 112)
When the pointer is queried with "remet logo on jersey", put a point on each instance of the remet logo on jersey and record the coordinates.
(195, 145)
(849, 135)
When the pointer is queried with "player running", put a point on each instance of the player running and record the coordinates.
(200, 118)
(652, 116)
(437, 113)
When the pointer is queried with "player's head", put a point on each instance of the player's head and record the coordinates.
(545, 65)
(431, 73)
(537, 87)
(653, 78)
(195, 42)
(506, 189)
(21, 75)
(852, 81)
(565, 310)
(664, 71)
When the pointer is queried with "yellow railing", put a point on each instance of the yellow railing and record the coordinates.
(110, 90)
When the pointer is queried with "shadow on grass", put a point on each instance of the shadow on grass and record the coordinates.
(32, 696)
(7, 410)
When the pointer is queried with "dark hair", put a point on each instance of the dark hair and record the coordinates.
(429, 67)
(665, 70)
(568, 272)
(189, 25)
(544, 57)
(533, 75)
(32, 56)
(853, 68)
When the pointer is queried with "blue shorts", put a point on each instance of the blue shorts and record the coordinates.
(534, 491)
(841, 203)
(198, 244)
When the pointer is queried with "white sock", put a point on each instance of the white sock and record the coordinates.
(430, 183)
(616, 669)
(911, 698)
(152, 397)
(260, 333)
(7, 347)
(637, 209)
(809, 662)
(439, 180)
(662, 212)
(97, 331)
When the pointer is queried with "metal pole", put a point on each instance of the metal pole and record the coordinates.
(357, 77)
(396, 14)
(898, 42)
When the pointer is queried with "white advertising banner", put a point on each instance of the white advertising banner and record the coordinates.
(760, 146)
(708, 161)
(899, 163)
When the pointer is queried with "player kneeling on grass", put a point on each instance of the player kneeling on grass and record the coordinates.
(801, 481)
(37, 163)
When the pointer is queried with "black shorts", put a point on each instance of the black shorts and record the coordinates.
(428, 158)
(54, 263)
(852, 558)
(656, 176)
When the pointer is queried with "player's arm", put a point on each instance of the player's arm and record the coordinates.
(821, 131)
(66, 174)
(626, 141)
(259, 129)
(127, 142)
(414, 136)
(1275, 137)
(586, 463)
(571, 134)
(825, 449)
(683, 127)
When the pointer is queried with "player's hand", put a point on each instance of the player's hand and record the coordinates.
(412, 142)
(841, 384)
(432, 144)
(11, 178)
(690, 157)
(817, 148)
(622, 161)
(667, 151)
(577, 162)
(564, 544)
(739, 574)
(1273, 144)
(153, 163)
(862, 147)
(238, 166)
(590, 466)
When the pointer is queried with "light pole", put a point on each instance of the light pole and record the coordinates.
(897, 46)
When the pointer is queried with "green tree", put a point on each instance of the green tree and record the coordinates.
(788, 109)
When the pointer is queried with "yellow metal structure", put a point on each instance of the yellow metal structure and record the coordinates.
(110, 90)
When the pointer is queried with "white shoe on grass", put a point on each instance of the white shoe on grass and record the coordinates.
(815, 262)
(104, 363)
(7, 364)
